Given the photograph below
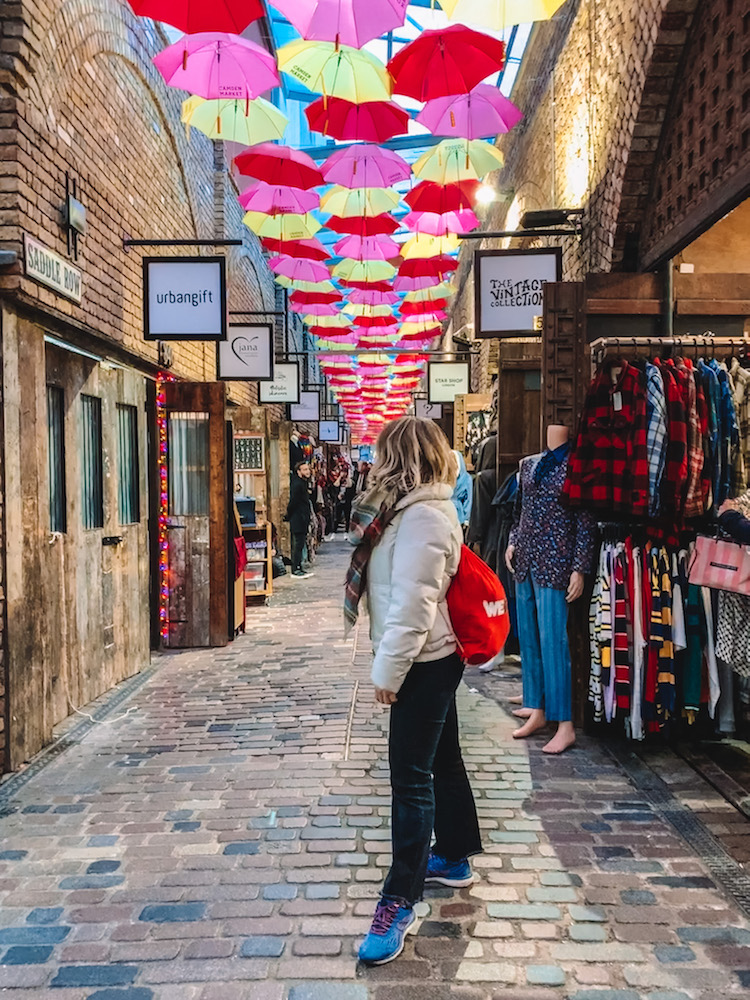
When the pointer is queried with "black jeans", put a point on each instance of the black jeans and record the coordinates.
(298, 547)
(429, 783)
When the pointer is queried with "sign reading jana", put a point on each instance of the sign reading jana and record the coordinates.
(247, 353)
(50, 269)
(184, 298)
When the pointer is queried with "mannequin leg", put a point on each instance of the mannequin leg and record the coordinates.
(553, 629)
(531, 658)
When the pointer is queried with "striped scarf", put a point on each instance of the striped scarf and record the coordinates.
(369, 519)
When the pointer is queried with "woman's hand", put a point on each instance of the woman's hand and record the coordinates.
(575, 587)
(509, 553)
(384, 697)
(728, 505)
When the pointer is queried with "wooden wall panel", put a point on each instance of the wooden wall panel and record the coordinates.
(564, 374)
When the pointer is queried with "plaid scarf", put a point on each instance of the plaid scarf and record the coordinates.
(369, 519)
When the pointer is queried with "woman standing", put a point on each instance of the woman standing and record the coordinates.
(409, 547)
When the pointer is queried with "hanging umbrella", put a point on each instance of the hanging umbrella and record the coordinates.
(458, 59)
(277, 200)
(454, 160)
(366, 309)
(379, 321)
(314, 298)
(305, 286)
(429, 246)
(299, 269)
(244, 122)
(367, 247)
(404, 283)
(369, 202)
(282, 227)
(311, 249)
(346, 22)
(432, 224)
(483, 113)
(367, 286)
(373, 121)
(365, 166)
(314, 310)
(365, 297)
(379, 224)
(279, 165)
(432, 293)
(336, 72)
(337, 322)
(364, 270)
(425, 306)
(194, 16)
(427, 196)
(213, 64)
(436, 266)
(499, 14)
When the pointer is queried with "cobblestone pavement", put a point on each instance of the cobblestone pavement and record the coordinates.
(225, 833)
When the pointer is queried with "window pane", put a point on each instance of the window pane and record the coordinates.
(188, 463)
(56, 457)
(128, 494)
(92, 503)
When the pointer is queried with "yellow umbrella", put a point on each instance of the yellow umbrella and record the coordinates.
(245, 122)
(338, 322)
(305, 286)
(429, 246)
(364, 270)
(359, 309)
(348, 203)
(415, 327)
(442, 291)
(499, 14)
(336, 71)
(455, 160)
(282, 227)
(334, 344)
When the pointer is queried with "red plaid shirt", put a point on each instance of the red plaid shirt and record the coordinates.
(608, 467)
(695, 504)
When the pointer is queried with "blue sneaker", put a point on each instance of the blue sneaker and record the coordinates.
(385, 941)
(453, 873)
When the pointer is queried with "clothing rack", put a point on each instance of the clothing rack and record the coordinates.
(666, 346)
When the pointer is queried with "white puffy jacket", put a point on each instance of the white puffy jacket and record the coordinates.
(408, 576)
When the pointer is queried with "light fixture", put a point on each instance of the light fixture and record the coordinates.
(485, 194)
(548, 217)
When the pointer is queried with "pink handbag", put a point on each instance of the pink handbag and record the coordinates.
(720, 564)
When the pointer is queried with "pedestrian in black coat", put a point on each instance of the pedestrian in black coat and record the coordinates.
(298, 514)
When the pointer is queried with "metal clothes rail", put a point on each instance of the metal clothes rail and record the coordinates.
(706, 345)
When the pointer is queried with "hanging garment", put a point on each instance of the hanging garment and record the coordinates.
(694, 500)
(712, 668)
(620, 634)
(596, 696)
(728, 433)
(665, 691)
(676, 469)
(639, 647)
(695, 623)
(733, 632)
(741, 378)
(713, 401)
(656, 438)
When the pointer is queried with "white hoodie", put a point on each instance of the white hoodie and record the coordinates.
(408, 576)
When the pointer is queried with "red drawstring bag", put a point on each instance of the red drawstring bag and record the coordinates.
(478, 609)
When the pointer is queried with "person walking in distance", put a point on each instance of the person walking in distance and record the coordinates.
(298, 514)
(409, 547)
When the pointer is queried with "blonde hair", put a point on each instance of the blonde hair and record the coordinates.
(411, 452)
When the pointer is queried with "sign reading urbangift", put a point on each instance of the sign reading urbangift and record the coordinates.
(50, 269)
(184, 298)
(509, 290)
(246, 354)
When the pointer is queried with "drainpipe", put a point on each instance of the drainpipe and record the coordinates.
(668, 310)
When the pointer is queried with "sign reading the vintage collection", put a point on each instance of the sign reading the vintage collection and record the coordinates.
(50, 269)
(446, 380)
(246, 354)
(184, 298)
(509, 290)
(427, 410)
(329, 430)
(308, 407)
(284, 388)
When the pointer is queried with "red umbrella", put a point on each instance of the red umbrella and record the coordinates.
(368, 286)
(194, 16)
(458, 58)
(428, 196)
(375, 320)
(374, 121)
(418, 308)
(418, 267)
(309, 249)
(320, 298)
(280, 165)
(361, 226)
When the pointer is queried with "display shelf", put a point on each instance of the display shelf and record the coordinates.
(258, 574)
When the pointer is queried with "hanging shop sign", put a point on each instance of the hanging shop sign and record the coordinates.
(354, 454)
(308, 407)
(446, 380)
(284, 387)
(246, 354)
(509, 290)
(329, 431)
(50, 269)
(184, 298)
(427, 410)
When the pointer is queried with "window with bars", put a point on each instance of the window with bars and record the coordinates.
(128, 469)
(56, 458)
(92, 487)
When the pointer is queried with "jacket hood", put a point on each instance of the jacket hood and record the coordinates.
(431, 491)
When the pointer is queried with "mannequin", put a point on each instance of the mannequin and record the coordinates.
(551, 547)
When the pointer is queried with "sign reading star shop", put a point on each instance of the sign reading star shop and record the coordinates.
(509, 290)
(184, 298)
(246, 354)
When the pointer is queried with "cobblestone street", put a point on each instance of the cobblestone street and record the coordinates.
(223, 833)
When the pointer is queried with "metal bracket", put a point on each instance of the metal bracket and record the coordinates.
(127, 243)
(112, 540)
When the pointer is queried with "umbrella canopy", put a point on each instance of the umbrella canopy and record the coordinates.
(305, 286)
(454, 160)
(427, 196)
(365, 167)
(458, 59)
(429, 246)
(337, 322)
(368, 202)
(310, 249)
(380, 321)
(417, 267)
(364, 270)
(366, 286)
(282, 227)
(365, 309)
(483, 113)
(299, 269)
(314, 310)
(404, 283)
(361, 296)
(214, 64)
(499, 14)
(431, 293)
(367, 247)
(313, 298)
(373, 121)
(195, 16)
(421, 308)
(280, 165)
(379, 224)
(336, 71)
(346, 22)
(271, 200)
(244, 122)
(432, 224)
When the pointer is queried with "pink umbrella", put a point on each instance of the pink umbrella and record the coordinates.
(361, 297)
(404, 284)
(278, 200)
(347, 22)
(433, 224)
(315, 309)
(481, 114)
(214, 64)
(299, 269)
(365, 166)
(367, 247)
